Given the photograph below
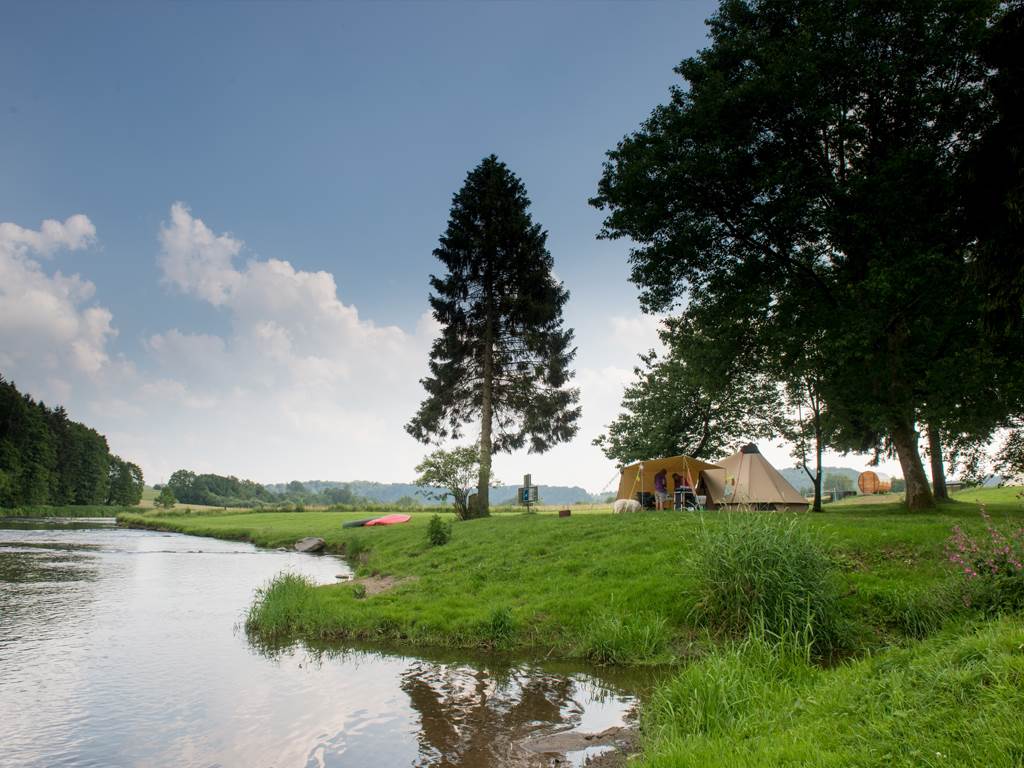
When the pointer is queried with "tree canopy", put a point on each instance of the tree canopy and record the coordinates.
(689, 401)
(46, 458)
(811, 163)
(503, 357)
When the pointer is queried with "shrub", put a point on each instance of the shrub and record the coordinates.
(992, 564)
(757, 572)
(438, 531)
(166, 498)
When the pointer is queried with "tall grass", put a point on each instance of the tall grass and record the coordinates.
(954, 699)
(283, 606)
(728, 687)
(766, 573)
(616, 637)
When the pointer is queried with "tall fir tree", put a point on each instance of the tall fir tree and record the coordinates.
(504, 355)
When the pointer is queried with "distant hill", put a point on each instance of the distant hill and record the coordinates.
(389, 493)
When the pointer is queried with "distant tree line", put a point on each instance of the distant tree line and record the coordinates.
(228, 491)
(46, 458)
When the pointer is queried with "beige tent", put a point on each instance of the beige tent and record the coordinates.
(746, 479)
(639, 477)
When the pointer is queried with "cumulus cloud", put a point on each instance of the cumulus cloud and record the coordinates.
(74, 233)
(48, 325)
(196, 260)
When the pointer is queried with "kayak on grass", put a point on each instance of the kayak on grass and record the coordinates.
(386, 520)
(390, 520)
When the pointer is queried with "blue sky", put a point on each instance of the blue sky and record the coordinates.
(301, 139)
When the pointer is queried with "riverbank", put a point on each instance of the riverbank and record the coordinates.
(590, 585)
(921, 668)
(77, 510)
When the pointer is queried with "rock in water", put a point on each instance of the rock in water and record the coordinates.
(309, 544)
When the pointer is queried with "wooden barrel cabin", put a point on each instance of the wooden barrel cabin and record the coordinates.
(874, 482)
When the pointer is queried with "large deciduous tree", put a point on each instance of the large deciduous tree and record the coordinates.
(692, 400)
(815, 152)
(503, 357)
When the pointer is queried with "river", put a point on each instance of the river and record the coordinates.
(122, 647)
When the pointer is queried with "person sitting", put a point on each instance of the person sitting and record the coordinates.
(679, 490)
(685, 498)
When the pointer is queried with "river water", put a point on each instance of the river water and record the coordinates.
(122, 647)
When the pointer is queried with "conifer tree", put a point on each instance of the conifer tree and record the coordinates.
(504, 355)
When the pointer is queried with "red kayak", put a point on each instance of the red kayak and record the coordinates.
(390, 520)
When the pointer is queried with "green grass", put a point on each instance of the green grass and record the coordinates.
(953, 700)
(573, 586)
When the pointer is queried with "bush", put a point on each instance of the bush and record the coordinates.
(757, 572)
(165, 500)
(438, 531)
(992, 564)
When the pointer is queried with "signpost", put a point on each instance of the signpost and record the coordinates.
(527, 494)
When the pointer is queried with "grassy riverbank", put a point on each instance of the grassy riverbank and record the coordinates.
(612, 588)
(77, 510)
(915, 676)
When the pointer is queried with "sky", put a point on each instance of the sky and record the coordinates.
(216, 220)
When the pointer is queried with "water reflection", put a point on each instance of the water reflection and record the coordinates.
(476, 717)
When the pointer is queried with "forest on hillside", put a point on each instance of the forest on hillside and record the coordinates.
(48, 459)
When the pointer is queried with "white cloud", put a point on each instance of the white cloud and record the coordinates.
(195, 259)
(47, 324)
(74, 233)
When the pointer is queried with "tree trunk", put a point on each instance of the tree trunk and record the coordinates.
(817, 459)
(935, 454)
(483, 501)
(904, 438)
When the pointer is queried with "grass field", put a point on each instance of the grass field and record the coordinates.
(921, 679)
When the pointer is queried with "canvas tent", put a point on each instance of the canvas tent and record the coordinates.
(746, 479)
(639, 477)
